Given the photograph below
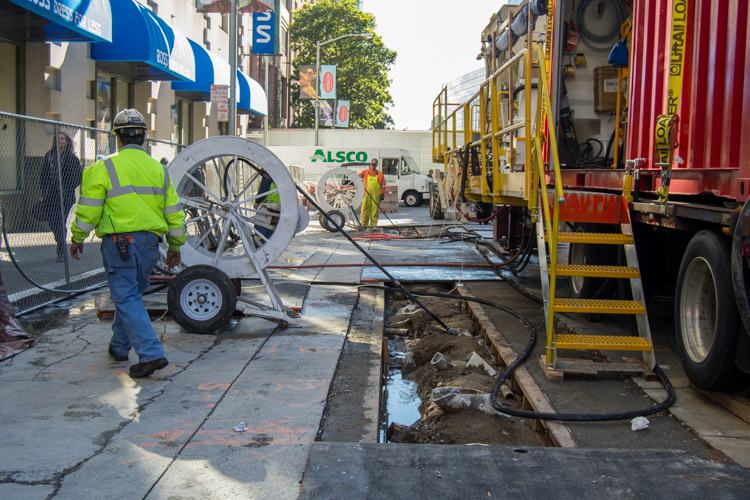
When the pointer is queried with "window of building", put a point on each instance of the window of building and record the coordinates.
(153, 6)
(113, 94)
(183, 121)
(224, 23)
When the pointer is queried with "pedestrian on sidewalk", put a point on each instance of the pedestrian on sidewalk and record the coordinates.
(374, 183)
(61, 168)
(130, 200)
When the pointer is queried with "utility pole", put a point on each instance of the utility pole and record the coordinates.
(233, 69)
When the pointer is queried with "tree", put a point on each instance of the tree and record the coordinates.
(361, 65)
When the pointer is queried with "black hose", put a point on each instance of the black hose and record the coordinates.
(370, 257)
(738, 269)
(567, 417)
(23, 274)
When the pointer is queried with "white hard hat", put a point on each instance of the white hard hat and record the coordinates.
(129, 119)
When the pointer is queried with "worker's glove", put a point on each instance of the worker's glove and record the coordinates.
(382, 197)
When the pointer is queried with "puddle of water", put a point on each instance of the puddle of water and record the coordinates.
(400, 400)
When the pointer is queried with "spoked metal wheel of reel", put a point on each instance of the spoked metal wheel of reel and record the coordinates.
(230, 225)
(340, 192)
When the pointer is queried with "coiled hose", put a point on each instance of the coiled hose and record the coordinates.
(566, 417)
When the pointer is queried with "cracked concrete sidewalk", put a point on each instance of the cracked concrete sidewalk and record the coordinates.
(75, 425)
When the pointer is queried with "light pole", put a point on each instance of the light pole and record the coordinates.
(318, 44)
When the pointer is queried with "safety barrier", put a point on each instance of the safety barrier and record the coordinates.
(41, 163)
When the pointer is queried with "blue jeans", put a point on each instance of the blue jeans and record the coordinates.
(128, 279)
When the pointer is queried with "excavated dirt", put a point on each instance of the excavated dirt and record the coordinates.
(463, 426)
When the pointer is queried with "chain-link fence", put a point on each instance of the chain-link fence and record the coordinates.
(41, 164)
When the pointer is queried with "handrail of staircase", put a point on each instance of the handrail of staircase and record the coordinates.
(552, 226)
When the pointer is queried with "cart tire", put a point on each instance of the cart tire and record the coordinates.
(706, 319)
(336, 216)
(202, 299)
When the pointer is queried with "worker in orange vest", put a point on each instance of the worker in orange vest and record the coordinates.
(374, 183)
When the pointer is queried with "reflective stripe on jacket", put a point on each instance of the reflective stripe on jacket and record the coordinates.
(126, 192)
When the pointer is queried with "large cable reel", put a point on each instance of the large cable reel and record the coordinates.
(232, 227)
(340, 191)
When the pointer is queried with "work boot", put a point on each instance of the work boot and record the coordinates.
(115, 356)
(140, 370)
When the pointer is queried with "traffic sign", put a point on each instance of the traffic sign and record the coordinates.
(222, 111)
(219, 93)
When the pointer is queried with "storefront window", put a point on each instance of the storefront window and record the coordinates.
(182, 113)
(113, 94)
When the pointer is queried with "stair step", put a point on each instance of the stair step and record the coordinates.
(599, 306)
(596, 271)
(599, 238)
(606, 342)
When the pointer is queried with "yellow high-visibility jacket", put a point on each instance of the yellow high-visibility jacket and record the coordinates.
(127, 192)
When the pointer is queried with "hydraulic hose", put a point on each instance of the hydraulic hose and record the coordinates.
(390, 264)
(738, 269)
(370, 257)
(566, 417)
(23, 274)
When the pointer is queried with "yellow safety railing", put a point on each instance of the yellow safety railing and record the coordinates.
(527, 187)
(552, 220)
(510, 186)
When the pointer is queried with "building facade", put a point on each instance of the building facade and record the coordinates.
(54, 69)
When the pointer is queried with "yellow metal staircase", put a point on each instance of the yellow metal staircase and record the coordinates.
(482, 163)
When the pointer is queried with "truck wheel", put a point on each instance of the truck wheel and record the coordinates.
(201, 299)
(706, 319)
(338, 217)
(585, 287)
(412, 199)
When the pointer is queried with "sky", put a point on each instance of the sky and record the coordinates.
(437, 41)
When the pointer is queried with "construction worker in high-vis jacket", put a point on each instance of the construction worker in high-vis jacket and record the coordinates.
(128, 198)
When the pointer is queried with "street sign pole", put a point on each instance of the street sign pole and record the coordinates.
(233, 69)
(268, 106)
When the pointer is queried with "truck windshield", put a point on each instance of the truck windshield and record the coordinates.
(411, 164)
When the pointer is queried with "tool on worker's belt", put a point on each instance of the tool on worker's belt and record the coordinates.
(121, 242)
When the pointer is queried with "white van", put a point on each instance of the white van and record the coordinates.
(397, 165)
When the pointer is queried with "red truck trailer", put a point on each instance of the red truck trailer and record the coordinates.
(669, 128)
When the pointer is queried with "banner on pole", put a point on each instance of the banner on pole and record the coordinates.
(342, 114)
(307, 81)
(225, 6)
(326, 117)
(264, 33)
(327, 81)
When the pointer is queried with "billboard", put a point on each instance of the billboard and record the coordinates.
(307, 81)
(342, 114)
(327, 81)
(225, 6)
